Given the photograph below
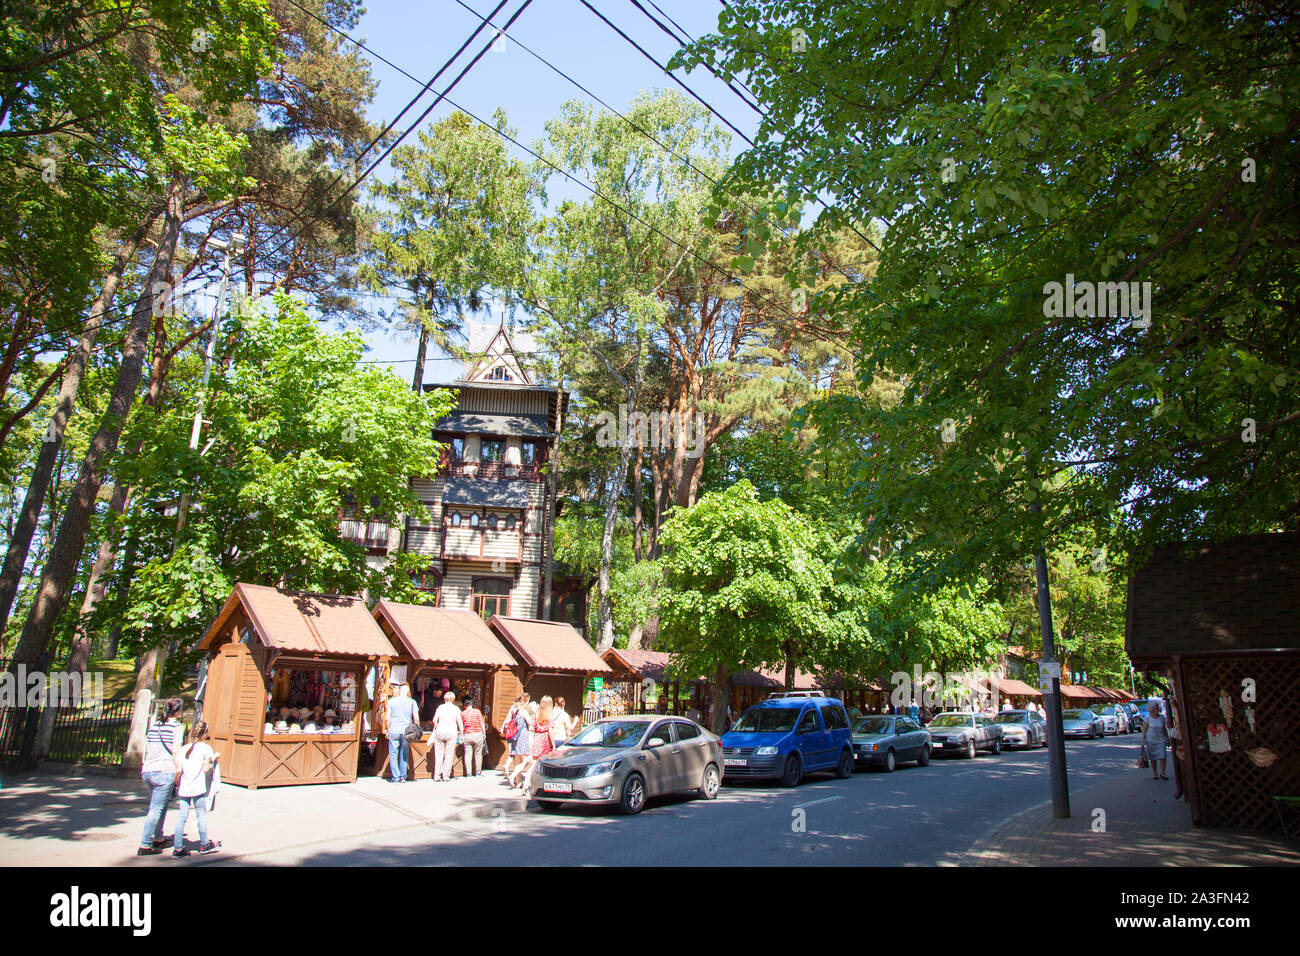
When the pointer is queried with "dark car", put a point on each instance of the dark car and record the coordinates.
(1081, 722)
(1134, 716)
(964, 733)
(1022, 728)
(787, 736)
(883, 741)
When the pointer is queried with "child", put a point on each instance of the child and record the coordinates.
(192, 790)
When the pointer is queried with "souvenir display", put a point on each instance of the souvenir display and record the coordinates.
(302, 699)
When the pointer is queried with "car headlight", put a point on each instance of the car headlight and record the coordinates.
(605, 766)
(766, 752)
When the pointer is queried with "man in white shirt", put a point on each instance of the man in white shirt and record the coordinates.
(447, 727)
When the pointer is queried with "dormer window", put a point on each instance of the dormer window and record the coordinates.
(499, 374)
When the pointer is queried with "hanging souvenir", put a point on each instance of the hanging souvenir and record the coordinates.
(1218, 736)
(1250, 718)
(1225, 707)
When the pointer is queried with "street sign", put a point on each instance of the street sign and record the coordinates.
(1049, 669)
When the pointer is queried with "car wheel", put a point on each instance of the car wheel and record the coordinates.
(997, 746)
(793, 772)
(549, 804)
(845, 769)
(633, 798)
(923, 758)
(970, 749)
(890, 762)
(711, 783)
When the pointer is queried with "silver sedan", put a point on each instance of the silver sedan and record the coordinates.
(623, 761)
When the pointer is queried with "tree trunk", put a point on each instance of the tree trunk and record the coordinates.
(21, 540)
(418, 379)
(638, 516)
(61, 567)
(721, 697)
(146, 691)
(605, 614)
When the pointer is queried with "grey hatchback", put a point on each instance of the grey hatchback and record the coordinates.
(886, 740)
(625, 760)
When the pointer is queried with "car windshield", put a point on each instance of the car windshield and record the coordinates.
(767, 720)
(1011, 717)
(610, 733)
(873, 725)
(953, 720)
(1077, 714)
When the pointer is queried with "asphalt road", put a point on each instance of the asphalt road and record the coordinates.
(915, 816)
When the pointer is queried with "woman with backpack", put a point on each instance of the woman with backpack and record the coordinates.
(521, 744)
(158, 771)
(192, 789)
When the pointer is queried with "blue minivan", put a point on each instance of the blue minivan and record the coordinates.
(788, 736)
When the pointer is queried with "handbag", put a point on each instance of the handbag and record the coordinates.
(1143, 762)
(412, 732)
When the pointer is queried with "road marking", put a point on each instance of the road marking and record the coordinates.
(813, 803)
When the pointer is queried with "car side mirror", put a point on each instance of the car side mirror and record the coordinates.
(655, 742)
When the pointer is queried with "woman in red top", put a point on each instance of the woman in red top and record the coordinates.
(473, 738)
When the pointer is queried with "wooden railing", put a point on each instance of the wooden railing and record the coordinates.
(371, 534)
(495, 471)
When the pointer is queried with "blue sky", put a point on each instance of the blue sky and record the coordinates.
(419, 35)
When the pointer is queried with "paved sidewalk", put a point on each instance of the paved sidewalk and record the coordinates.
(1144, 826)
(91, 820)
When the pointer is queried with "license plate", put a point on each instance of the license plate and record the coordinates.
(735, 762)
(558, 787)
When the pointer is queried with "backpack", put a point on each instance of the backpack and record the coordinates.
(511, 730)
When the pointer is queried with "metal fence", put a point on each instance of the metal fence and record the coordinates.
(87, 734)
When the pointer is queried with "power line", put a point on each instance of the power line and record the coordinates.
(351, 186)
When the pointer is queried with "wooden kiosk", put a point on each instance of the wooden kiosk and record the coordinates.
(553, 659)
(271, 649)
(442, 649)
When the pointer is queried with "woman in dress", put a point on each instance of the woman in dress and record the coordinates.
(1155, 738)
(539, 725)
(521, 748)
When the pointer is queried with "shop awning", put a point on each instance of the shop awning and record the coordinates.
(482, 423)
(303, 621)
(1080, 692)
(441, 635)
(1010, 687)
(548, 645)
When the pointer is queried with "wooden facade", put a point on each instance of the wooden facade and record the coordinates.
(553, 658)
(263, 640)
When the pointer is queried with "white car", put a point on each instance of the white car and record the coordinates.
(1108, 718)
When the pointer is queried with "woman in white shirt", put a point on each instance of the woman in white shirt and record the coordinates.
(447, 727)
(1155, 738)
(561, 724)
(192, 790)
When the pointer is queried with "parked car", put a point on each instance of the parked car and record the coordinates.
(1082, 722)
(1134, 716)
(964, 733)
(1113, 714)
(883, 741)
(626, 760)
(1022, 728)
(788, 736)
(1145, 704)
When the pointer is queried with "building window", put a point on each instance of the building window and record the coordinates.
(473, 520)
(493, 449)
(528, 453)
(428, 582)
(492, 522)
(510, 522)
(458, 449)
(499, 374)
(491, 596)
(455, 519)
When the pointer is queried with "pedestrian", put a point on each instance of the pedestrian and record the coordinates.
(926, 714)
(561, 724)
(158, 771)
(447, 727)
(402, 713)
(1007, 705)
(1032, 707)
(1155, 738)
(473, 737)
(192, 790)
(521, 744)
(530, 711)
(913, 710)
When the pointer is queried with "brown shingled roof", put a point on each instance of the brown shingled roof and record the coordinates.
(548, 645)
(443, 635)
(303, 621)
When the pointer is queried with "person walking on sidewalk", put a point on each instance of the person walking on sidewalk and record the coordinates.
(1155, 738)
(402, 713)
(447, 726)
(529, 732)
(521, 743)
(158, 771)
(472, 721)
(561, 724)
(192, 789)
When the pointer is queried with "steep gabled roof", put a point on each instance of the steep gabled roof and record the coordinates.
(500, 352)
